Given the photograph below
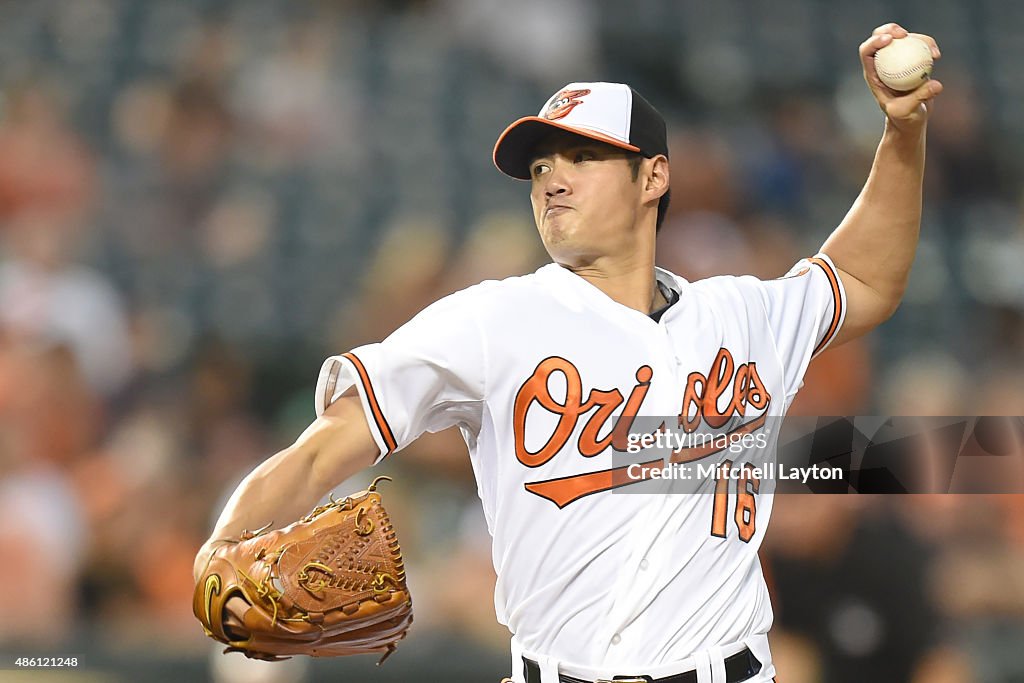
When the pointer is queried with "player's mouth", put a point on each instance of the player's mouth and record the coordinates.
(555, 209)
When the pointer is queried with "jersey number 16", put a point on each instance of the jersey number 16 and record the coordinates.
(746, 505)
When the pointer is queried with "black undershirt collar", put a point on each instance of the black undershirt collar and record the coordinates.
(671, 296)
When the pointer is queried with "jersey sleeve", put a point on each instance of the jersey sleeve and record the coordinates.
(426, 376)
(805, 309)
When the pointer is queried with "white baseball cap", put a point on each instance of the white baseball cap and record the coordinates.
(613, 113)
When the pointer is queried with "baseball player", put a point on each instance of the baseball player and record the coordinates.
(542, 373)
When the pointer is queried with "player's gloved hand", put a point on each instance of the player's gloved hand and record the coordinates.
(329, 585)
(907, 111)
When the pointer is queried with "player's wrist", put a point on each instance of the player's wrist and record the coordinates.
(908, 135)
(204, 554)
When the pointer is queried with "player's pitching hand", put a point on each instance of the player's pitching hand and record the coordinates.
(906, 110)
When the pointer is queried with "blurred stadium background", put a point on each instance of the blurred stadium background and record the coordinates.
(201, 199)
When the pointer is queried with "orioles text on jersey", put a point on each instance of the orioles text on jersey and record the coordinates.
(700, 403)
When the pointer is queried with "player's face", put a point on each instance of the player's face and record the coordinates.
(585, 199)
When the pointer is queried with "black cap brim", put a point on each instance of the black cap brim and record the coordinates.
(515, 148)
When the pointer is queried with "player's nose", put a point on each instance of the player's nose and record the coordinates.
(556, 181)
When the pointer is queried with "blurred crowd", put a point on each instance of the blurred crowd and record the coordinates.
(202, 199)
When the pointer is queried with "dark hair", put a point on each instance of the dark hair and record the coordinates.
(634, 166)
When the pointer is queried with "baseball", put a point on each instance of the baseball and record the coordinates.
(904, 64)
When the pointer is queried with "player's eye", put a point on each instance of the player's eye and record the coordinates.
(538, 169)
(583, 155)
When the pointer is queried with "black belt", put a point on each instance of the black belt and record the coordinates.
(739, 667)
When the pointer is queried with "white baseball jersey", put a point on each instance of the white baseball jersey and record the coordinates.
(534, 370)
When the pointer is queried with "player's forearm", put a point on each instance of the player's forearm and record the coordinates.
(877, 239)
(277, 492)
(287, 485)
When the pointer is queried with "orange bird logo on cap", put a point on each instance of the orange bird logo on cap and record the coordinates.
(563, 103)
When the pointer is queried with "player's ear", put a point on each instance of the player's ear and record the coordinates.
(656, 177)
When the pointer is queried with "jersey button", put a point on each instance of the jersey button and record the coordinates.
(644, 564)
(616, 639)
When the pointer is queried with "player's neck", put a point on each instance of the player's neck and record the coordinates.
(630, 284)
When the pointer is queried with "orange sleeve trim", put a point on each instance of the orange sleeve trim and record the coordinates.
(371, 397)
(837, 308)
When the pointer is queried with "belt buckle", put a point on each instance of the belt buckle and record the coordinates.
(623, 679)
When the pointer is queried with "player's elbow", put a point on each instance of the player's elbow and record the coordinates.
(887, 308)
(890, 299)
(867, 308)
(880, 308)
(871, 302)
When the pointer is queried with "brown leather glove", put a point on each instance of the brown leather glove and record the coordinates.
(331, 584)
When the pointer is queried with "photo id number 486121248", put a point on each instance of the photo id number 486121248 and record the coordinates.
(45, 662)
